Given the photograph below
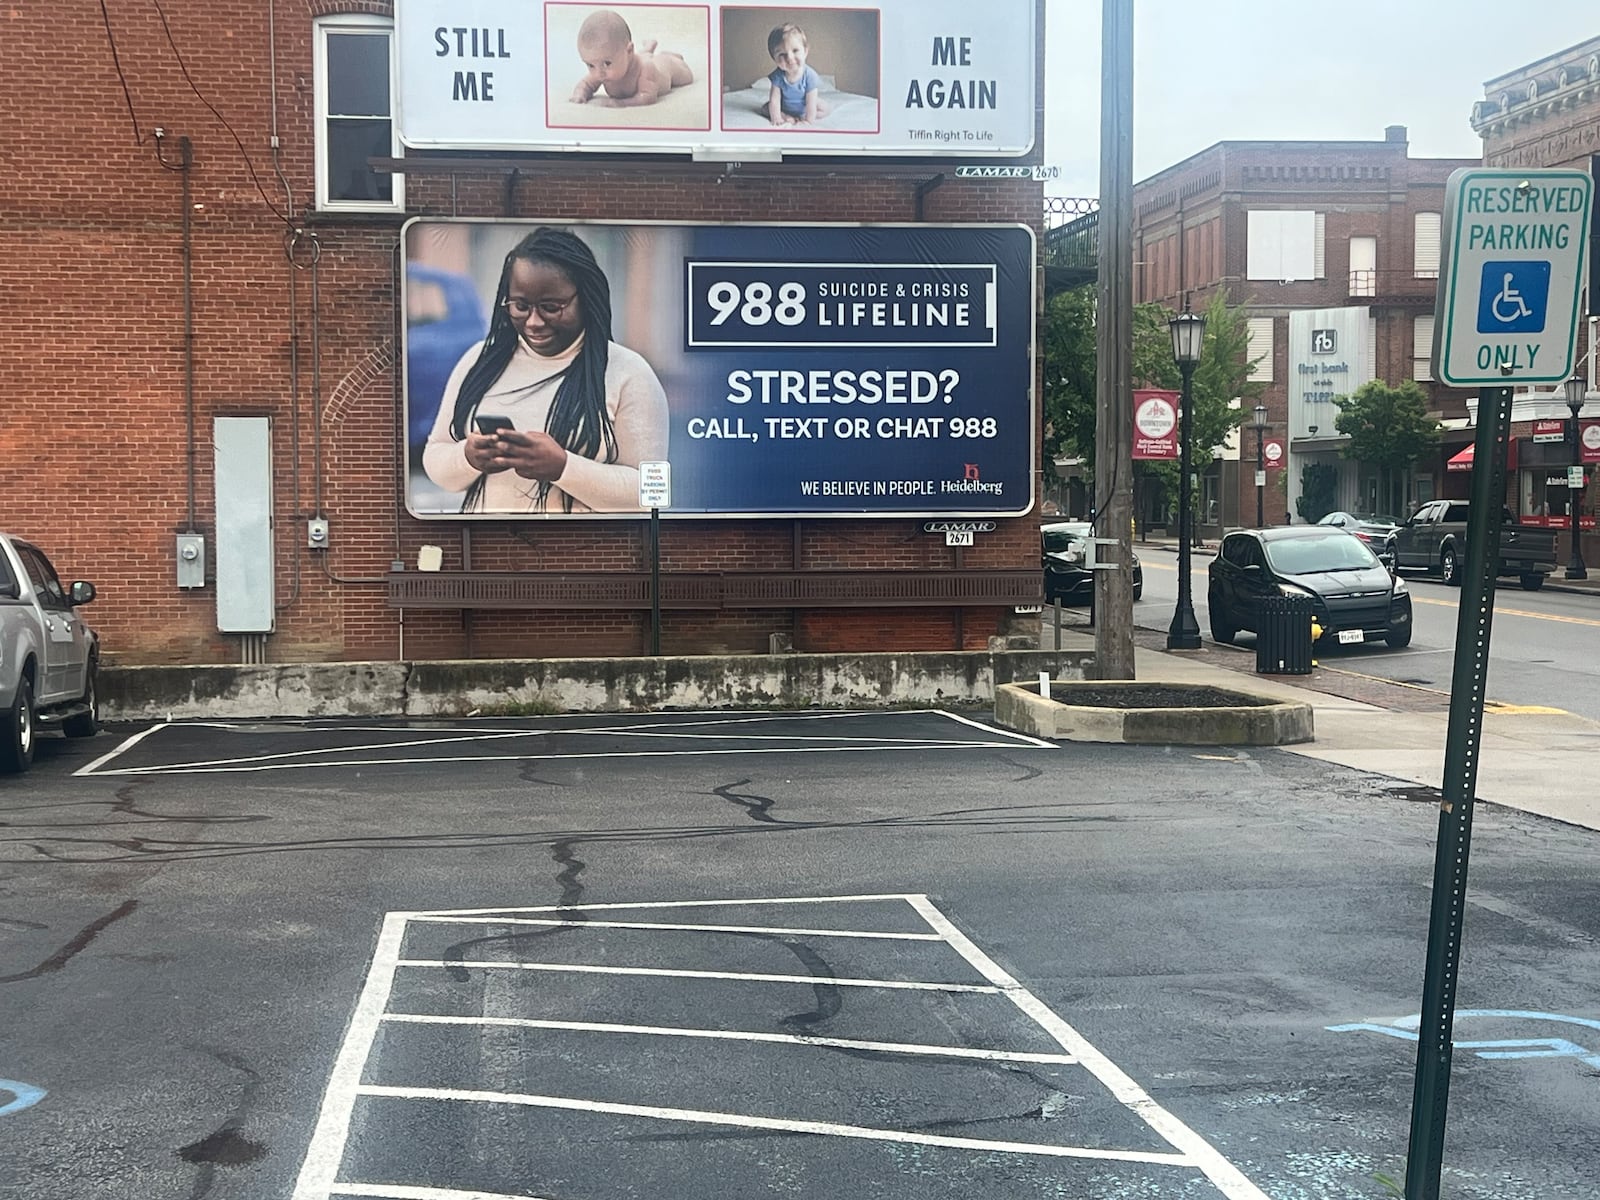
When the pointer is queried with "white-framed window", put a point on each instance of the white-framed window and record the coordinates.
(1260, 349)
(1284, 245)
(1363, 266)
(355, 114)
(1425, 244)
(1422, 347)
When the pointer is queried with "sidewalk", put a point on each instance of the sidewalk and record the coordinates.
(1536, 760)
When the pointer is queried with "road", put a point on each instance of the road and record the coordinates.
(1544, 647)
(731, 956)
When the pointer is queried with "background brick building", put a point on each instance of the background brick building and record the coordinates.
(1547, 114)
(191, 230)
(1335, 236)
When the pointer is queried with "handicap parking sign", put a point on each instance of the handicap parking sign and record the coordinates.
(1514, 297)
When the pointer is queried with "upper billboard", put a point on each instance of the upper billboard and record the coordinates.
(782, 370)
(944, 78)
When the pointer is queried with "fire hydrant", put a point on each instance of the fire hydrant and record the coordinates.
(1316, 636)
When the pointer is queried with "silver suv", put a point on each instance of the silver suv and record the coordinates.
(48, 654)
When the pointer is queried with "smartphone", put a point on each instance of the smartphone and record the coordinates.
(492, 425)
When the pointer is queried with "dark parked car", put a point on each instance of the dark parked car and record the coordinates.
(1356, 598)
(1435, 539)
(1065, 551)
(1376, 532)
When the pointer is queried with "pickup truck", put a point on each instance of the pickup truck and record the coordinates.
(1435, 539)
(48, 655)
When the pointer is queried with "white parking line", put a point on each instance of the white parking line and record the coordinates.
(489, 964)
(733, 1035)
(321, 1168)
(776, 930)
(318, 1179)
(742, 1121)
(395, 1191)
(325, 757)
(1229, 1180)
(664, 904)
(126, 745)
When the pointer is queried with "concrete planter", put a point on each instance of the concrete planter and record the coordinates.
(1250, 720)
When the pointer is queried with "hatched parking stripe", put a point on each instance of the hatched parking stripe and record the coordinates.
(319, 1175)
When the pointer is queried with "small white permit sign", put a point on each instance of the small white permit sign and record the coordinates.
(655, 484)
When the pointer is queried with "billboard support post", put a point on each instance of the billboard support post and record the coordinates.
(655, 581)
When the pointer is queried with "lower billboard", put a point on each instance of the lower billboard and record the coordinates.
(782, 370)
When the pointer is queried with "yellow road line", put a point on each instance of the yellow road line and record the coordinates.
(1511, 612)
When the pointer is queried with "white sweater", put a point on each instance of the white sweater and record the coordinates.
(524, 392)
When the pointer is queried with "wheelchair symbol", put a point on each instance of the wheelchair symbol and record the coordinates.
(1513, 297)
(1509, 299)
(1406, 1029)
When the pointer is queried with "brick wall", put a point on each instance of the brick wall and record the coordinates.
(105, 438)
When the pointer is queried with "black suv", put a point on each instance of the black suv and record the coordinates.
(1355, 597)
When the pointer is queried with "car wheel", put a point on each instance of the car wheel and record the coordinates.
(1221, 631)
(17, 732)
(1398, 639)
(86, 724)
(1449, 571)
(1532, 581)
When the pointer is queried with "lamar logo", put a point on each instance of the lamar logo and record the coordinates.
(1324, 341)
(970, 471)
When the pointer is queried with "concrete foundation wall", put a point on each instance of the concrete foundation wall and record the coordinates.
(573, 685)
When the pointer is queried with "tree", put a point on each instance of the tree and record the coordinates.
(1319, 491)
(1222, 375)
(1069, 374)
(1070, 407)
(1389, 428)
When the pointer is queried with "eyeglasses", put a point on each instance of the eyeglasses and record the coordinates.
(548, 309)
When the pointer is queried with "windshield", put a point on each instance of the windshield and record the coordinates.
(1308, 555)
(1060, 538)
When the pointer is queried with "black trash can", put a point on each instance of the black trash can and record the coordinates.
(1283, 636)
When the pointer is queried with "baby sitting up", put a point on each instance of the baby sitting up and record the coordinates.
(630, 77)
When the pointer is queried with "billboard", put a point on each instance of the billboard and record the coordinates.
(903, 77)
(782, 370)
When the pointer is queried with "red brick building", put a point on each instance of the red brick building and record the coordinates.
(1333, 247)
(198, 224)
(1547, 114)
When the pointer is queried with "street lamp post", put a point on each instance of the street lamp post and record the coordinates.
(1575, 388)
(1188, 335)
(1260, 415)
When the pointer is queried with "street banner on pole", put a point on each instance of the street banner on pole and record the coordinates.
(1155, 424)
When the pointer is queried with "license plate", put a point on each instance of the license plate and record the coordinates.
(1347, 636)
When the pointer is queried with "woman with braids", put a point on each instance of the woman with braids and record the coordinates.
(582, 411)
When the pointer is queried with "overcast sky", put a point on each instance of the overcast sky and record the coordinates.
(1208, 71)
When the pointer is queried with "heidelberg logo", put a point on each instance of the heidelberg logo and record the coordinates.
(971, 471)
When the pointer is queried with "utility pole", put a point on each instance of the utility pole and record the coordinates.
(1113, 440)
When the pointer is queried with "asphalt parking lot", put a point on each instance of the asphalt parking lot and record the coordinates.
(716, 955)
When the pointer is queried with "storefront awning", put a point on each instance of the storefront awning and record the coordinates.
(1463, 458)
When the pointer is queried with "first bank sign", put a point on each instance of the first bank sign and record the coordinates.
(1508, 299)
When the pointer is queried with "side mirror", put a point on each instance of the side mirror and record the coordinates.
(82, 592)
(1387, 559)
